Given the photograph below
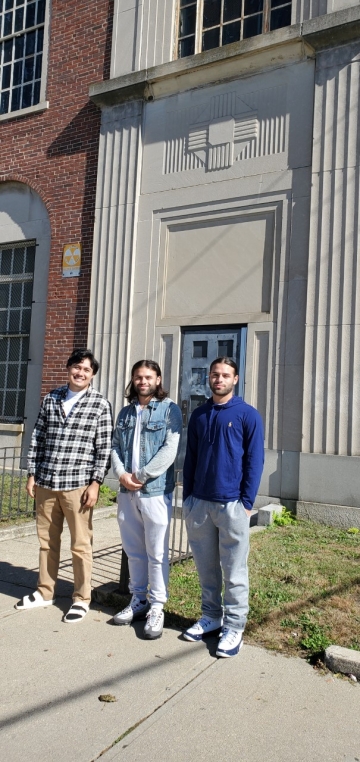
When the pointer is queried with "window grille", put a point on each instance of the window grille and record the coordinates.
(21, 53)
(206, 24)
(16, 286)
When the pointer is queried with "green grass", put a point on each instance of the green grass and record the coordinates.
(304, 589)
(17, 507)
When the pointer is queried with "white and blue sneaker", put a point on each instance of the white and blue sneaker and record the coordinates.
(201, 628)
(154, 623)
(136, 609)
(230, 642)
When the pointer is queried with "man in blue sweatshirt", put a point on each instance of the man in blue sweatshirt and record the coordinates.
(222, 471)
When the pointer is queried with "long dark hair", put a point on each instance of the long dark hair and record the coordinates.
(130, 391)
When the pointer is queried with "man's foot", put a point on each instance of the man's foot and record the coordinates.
(203, 627)
(230, 642)
(76, 612)
(33, 601)
(154, 623)
(136, 609)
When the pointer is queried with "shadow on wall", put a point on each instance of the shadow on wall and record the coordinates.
(81, 136)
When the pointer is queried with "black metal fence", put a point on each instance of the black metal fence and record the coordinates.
(15, 503)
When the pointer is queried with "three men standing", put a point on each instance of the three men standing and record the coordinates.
(67, 461)
(144, 448)
(222, 470)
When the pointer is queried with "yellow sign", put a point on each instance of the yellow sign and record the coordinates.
(71, 260)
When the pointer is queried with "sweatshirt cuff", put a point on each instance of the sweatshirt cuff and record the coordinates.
(141, 475)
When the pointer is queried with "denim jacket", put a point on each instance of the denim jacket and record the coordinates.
(159, 440)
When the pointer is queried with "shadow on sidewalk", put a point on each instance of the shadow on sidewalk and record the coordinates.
(12, 577)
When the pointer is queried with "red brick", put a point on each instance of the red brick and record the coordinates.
(55, 152)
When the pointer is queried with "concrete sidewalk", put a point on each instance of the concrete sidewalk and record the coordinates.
(174, 700)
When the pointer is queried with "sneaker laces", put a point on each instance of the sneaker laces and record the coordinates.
(154, 616)
(230, 635)
(202, 624)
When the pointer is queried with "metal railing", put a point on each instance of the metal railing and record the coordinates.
(15, 503)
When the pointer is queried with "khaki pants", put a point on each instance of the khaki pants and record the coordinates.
(51, 508)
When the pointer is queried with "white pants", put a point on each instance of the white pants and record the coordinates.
(145, 527)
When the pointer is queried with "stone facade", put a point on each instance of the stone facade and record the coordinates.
(227, 195)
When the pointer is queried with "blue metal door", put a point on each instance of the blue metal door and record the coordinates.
(199, 348)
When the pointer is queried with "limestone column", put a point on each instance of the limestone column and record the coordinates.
(114, 244)
(331, 414)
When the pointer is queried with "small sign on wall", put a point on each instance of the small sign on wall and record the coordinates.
(71, 260)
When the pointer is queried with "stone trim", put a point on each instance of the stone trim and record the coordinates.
(274, 49)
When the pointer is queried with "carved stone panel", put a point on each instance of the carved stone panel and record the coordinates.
(242, 128)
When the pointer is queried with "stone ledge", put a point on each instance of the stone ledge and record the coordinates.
(343, 660)
(266, 514)
(342, 516)
(273, 49)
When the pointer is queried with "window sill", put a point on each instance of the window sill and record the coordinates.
(43, 106)
(19, 427)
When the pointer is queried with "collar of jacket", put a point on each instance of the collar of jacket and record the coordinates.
(153, 402)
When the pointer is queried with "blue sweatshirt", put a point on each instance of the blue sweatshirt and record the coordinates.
(225, 452)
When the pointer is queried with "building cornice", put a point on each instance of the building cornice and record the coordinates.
(272, 50)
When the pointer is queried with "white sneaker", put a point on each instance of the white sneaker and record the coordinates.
(203, 627)
(154, 623)
(33, 601)
(136, 609)
(230, 642)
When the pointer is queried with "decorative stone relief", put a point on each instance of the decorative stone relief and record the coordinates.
(226, 129)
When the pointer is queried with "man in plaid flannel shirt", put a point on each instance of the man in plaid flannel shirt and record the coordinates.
(67, 461)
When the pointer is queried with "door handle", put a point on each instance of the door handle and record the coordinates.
(184, 411)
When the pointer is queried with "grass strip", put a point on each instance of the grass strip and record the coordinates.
(16, 506)
(304, 589)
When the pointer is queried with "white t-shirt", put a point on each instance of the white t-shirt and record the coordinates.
(71, 399)
(135, 464)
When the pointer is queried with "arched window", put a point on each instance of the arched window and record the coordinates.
(24, 265)
(16, 290)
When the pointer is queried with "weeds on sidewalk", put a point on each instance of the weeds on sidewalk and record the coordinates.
(304, 589)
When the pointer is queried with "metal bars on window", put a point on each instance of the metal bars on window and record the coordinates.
(207, 24)
(16, 286)
(21, 53)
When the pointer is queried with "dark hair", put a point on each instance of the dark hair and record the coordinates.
(130, 391)
(225, 361)
(79, 355)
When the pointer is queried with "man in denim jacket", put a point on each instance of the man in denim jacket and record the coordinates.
(144, 448)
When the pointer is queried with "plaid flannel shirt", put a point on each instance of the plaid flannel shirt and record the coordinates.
(70, 452)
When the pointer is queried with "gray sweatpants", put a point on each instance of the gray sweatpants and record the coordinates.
(219, 539)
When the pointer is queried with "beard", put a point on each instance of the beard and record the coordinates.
(223, 391)
(148, 392)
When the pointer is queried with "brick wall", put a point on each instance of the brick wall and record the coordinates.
(55, 152)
